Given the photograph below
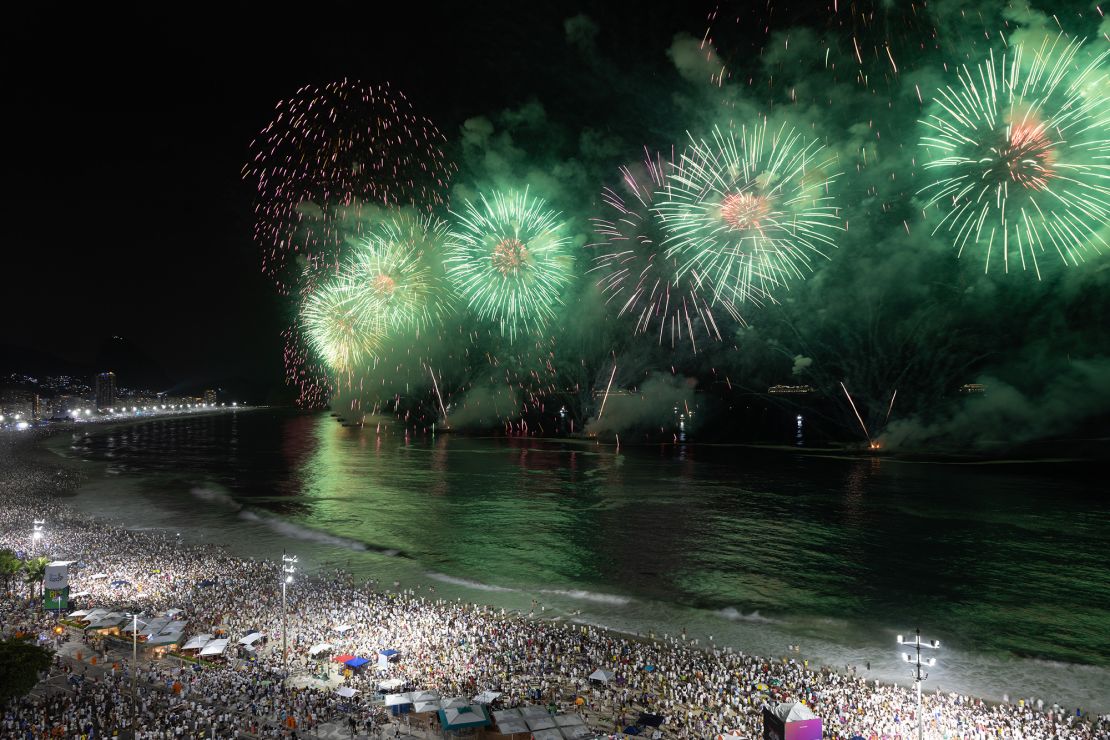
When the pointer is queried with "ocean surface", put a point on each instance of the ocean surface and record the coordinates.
(1007, 563)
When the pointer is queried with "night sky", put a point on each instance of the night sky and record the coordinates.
(128, 213)
(129, 217)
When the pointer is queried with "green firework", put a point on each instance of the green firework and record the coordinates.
(747, 212)
(1020, 155)
(337, 327)
(508, 257)
(393, 273)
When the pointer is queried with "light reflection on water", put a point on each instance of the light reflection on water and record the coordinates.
(760, 549)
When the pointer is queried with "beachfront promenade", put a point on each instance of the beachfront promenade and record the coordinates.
(455, 650)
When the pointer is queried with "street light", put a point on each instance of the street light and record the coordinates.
(37, 531)
(916, 674)
(288, 567)
(134, 662)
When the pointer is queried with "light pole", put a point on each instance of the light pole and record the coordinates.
(37, 532)
(134, 667)
(288, 567)
(916, 674)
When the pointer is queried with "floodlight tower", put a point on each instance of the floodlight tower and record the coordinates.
(288, 567)
(917, 674)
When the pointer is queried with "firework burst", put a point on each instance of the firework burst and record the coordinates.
(1020, 153)
(327, 152)
(508, 257)
(747, 212)
(636, 276)
(338, 328)
(392, 273)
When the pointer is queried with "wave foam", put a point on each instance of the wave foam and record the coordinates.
(289, 529)
(444, 578)
(215, 496)
(597, 598)
(735, 615)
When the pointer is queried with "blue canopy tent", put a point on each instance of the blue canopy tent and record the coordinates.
(461, 718)
(384, 656)
(356, 662)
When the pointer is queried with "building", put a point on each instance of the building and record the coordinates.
(105, 390)
(210, 397)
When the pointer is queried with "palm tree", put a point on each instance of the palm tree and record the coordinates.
(36, 571)
(10, 566)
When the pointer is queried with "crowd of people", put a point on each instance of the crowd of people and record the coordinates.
(453, 648)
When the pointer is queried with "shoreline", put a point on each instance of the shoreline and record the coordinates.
(611, 609)
(26, 446)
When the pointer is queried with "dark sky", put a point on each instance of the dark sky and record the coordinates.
(127, 212)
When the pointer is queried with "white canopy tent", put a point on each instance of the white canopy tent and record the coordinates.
(196, 642)
(250, 639)
(215, 647)
(396, 700)
(426, 696)
(425, 706)
(390, 684)
(320, 647)
(487, 697)
(602, 675)
(346, 691)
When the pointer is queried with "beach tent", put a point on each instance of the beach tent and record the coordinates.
(791, 721)
(197, 642)
(215, 647)
(320, 647)
(384, 656)
(461, 718)
(94, 614)
(455, 703)
(601, 675)
(533, 710)
(549, 734)
(389, 654)
(250, 639)
(342, 658)
(346, 691)
(540, 723)
(431, 696)
(425, 706)
(394, 700)
(390, 684)
(78, 613)
(356, 662)
(512, 726)
(569, 720)
(577, 731)
(487, 697)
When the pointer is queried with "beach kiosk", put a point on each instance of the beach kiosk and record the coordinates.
(790, 721)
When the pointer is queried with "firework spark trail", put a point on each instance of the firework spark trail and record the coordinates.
(508, 258)
(748, 212)
(891, 406)
(1020, 149)
(435, 385)
(859, 418)
(607, 387)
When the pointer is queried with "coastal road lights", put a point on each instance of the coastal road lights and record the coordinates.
(288, 567)
(916, 674)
